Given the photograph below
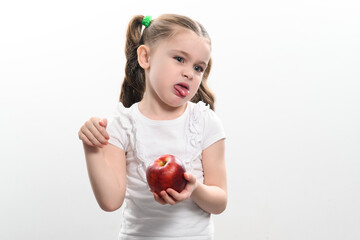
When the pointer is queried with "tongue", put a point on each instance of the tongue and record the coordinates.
(183, 91)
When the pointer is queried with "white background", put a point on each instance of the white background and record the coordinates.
(287, 80)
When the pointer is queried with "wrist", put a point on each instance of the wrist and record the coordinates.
(91, 149)
(196, 187)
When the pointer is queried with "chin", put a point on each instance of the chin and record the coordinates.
(176, 102)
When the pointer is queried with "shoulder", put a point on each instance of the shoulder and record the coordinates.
(123, 115)
(203, 112)
(199, 110)
(121, 125)
(120, 109)
(209, 122)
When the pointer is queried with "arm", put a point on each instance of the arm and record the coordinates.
(107, 173)
(211, 195)
(106, 165)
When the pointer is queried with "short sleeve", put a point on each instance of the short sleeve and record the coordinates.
(213, 129)
(117, 129)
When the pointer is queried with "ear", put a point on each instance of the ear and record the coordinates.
(143, 53)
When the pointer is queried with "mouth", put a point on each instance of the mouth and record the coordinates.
(181, 89)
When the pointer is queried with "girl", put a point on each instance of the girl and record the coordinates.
(165, 107)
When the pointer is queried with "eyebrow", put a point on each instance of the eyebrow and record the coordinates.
(188, 56)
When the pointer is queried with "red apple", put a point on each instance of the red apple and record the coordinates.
(166, 172)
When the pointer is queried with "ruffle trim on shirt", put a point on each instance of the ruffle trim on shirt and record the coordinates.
(194, 134)
(128, 122)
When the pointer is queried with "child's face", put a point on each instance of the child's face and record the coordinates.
(176, 67)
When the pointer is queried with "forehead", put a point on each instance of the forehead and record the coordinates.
(189, 42)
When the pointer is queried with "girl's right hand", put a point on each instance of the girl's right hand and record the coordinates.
(94, 133)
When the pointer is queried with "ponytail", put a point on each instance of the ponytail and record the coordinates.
(133, 86)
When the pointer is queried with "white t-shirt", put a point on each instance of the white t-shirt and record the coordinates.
(143, 141)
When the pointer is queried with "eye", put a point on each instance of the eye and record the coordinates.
(179, 59)
(199, 69)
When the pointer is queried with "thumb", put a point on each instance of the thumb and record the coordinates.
(189, 177)
(103, 122)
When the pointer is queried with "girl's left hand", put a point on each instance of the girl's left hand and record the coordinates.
(172, 197)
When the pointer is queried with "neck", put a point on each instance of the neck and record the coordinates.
(157, 110)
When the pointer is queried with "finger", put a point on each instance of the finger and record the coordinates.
(88, 134)
(102, 128)
(103, 122)
(176, 195)
(96, 130)
(159, 199)
(85, 139)
(167, 198)
(189, 188)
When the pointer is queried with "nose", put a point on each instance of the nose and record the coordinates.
(187, 73)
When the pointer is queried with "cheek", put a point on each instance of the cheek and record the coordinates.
(197, 81)
(160, 69)
(195, 86)
(158, 78)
